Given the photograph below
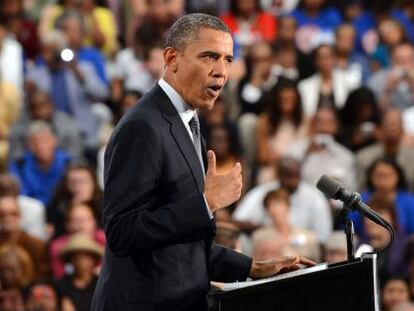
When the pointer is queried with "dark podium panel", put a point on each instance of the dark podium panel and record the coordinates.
(348, 286)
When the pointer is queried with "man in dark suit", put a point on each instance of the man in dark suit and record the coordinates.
(158, 203)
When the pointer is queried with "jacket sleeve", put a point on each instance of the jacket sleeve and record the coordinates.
(133, 216)
(227, 265)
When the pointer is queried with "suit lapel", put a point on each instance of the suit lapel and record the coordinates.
(180, 135)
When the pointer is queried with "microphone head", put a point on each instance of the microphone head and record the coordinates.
(329, 186)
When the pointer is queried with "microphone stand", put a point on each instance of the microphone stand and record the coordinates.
(349, 231)
(349, 226)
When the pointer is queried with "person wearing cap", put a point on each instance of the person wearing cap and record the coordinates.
(84, 254)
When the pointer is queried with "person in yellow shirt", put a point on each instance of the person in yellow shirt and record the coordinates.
(10, 103)
(101, 29)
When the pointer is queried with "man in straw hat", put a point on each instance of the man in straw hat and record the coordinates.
(84, 254)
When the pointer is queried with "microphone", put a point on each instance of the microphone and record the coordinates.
(352, 200)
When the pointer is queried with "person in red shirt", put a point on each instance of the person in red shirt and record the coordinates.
(248, 23)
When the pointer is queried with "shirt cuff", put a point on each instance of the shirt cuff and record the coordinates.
(210, 214)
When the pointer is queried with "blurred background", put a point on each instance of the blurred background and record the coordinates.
(317, 87)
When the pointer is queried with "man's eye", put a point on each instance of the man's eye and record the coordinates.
(212, 57)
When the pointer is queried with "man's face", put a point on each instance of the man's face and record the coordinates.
(43, 146)
(325, 122)
(9, 215)
(40, 108)
(345, 39)
(201, 69)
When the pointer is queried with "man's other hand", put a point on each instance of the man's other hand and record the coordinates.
(221, 190)
(266, 268)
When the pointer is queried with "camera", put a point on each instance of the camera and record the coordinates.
(65, 55)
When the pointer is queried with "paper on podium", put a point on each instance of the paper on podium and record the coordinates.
(237, 285)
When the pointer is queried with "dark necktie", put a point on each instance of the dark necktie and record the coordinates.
(195, 130)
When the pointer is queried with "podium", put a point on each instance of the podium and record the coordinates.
(346, 286)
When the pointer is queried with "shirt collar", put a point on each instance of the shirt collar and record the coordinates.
(185, 111)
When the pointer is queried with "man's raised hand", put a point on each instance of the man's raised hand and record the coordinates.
(221, 190)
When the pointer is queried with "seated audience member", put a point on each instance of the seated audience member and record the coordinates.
(10, 105)
(249, 23)
(99, 23)
(80, 218)
(16, 267)
(258, 79)
(11, 60)
(44, 295)
(72, 24)
(267, 243)
(227, 234)
(368, 21)
(329, 86)
(393, 86)
(360, 120)
(22, 28)
(33, 212)
(73, 86)
(347, 58)
(305, 202)
(129, 70)
(84, 255)
(11, 300)
(318, 19)
(322, 147)
(251, 94)
(285, 64)
(41, 108)
(298, 241)
(10, 233)
(391, 34)
(286, 41)
(394, 292)
(389, 262)
(386, 180)
(42, 166)
(280, 126)
(219, 116)
(228, 153)
(78, 186)
(390, 144)
(335, 248)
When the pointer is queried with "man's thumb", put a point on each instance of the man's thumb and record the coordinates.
(211, 156)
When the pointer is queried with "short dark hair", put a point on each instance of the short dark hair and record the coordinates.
(187, 27)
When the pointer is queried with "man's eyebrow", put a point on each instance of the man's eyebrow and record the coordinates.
(209, 53)
(215, 54)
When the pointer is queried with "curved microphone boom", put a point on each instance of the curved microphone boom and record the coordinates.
(352, 202)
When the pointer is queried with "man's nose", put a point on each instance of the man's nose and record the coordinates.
(220, 69)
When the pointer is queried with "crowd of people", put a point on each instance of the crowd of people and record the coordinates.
(316, 87)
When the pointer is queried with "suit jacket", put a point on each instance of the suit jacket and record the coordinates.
(159, 253)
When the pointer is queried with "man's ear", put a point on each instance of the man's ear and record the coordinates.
(170, 58)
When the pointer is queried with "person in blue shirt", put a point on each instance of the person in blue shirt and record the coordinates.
(367, 24)
(71, 23)
(42, 166)
(316, 23)
(386, 179)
